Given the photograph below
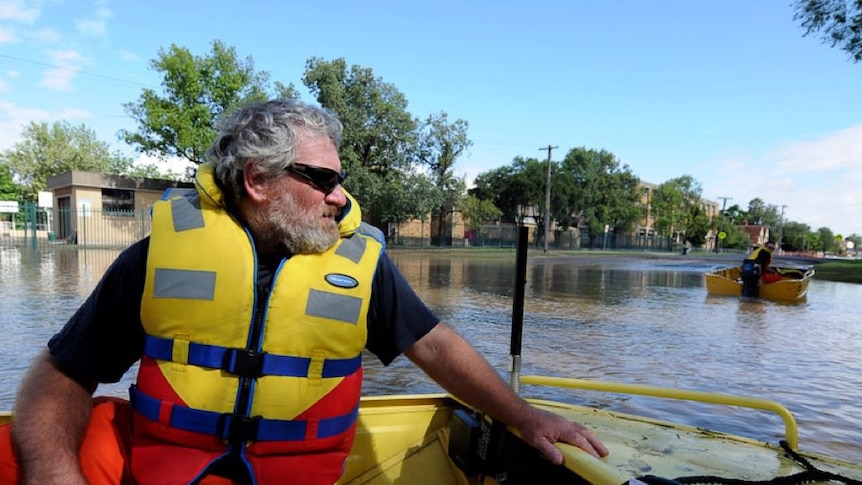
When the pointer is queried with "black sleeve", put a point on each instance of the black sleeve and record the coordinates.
(397, 317)
(105, 335)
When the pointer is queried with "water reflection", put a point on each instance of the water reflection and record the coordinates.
(632, 320)
(650, 322)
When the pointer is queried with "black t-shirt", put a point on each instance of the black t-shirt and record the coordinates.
(105, 336)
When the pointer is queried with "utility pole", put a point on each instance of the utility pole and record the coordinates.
(780, 229)
(721, 223)
(548, 198)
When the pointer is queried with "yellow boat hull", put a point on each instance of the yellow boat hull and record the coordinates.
(726, 281)
(406, 439)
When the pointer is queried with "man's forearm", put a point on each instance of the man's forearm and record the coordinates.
(455, 365)
(50, 418)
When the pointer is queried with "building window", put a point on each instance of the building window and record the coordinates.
(118, 202)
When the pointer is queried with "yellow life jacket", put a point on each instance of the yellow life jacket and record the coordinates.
(272, 378)
(756, 256)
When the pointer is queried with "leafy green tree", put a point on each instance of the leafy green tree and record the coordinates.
(839, 23)
(513, 188)
(589, 186)
(825, 240)
(736, 239)
(379, 141)
(181, 120)
(9, 190)
(379, 133)
(763, 214)
(46, 150)
(735, 216)
(698, 227)
(405, 197)
(796, 236)
(677, 204)
(478, 212)
(603, 191)
(440, 143)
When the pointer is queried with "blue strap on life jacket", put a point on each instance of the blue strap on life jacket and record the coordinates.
(246, 363)
(236, 427)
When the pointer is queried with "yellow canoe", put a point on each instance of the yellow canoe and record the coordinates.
(792, 287)
(422, 440)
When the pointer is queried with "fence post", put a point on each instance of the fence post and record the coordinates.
(82, 235)
(31, 212)
(143, 222)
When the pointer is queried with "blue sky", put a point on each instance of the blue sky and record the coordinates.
(729, 92)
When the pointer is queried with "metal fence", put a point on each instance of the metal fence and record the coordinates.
(84, 227)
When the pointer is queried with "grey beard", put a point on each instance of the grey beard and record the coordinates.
(280, 228)
(311, 241)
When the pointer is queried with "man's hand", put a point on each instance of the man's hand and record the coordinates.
(542, 429)
(456, 366)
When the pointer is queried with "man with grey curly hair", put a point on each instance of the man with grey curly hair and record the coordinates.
(248, 307)
(276, 137)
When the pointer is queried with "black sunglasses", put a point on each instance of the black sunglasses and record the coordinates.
(324, 179)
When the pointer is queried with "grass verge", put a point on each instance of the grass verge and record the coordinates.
(843, 271)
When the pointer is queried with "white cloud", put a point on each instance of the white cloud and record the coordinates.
(97, 25)
(59, 78)
(8, 36)
(14, 118)
(838, 150)
(67, 65)
(817, 180)
(174, 164)
(17, 11)
(45, 35)
(129, 56)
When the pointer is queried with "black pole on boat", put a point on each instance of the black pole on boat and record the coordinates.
(518, 312)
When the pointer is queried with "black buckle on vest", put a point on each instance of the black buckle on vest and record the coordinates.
(244, 363)
(240, 428)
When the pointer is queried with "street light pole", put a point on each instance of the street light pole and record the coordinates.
(548, 198)
(780, 228)
(721, 223)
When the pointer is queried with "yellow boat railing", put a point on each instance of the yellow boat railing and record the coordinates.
(791, 430)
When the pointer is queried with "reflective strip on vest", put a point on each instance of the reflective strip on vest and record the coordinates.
(225, 425)
(352, 248)
(184, 284)
(334, 307)
(231, 360)
(186, 214)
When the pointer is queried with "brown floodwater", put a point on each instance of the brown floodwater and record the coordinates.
(635, 320)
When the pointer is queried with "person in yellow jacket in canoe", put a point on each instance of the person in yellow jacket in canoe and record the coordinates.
(247, 308)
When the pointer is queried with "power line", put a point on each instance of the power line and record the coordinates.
(80, 71)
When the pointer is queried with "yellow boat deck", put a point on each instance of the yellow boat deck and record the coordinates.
(406, 439)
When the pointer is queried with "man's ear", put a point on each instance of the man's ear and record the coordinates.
(254, 182)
